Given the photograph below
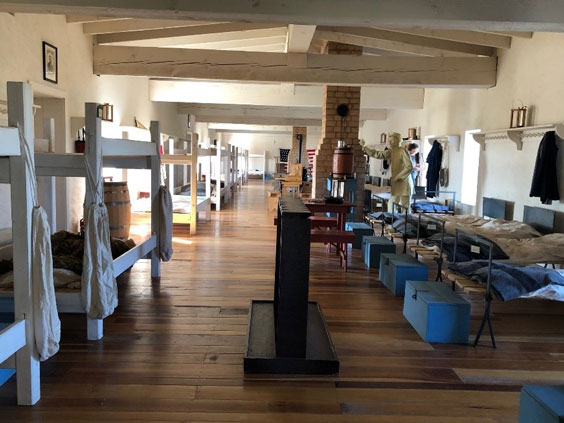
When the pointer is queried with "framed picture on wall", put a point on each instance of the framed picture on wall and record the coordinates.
(50, 63)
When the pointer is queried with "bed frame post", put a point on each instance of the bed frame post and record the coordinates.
(170, 181)
(93, 155)
(20, 112)
(194, 185)
(155, 206)
(218, 167)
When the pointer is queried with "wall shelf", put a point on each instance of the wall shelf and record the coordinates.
(453, 140)
(517, 134)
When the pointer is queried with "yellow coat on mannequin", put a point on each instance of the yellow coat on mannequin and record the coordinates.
(402, 184)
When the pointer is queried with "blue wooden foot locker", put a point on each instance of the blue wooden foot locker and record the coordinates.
(373, 247)
(395, 269)
(542, 404)
(360, 229)
(436, 312)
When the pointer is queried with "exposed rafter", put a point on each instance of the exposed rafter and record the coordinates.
(299, 38)
(185, 31)
(245, 94)
(295, 68)
(127, 25)
(72, 19)
(471, 37)
(401, 41)
(265, 115)
(501, 15)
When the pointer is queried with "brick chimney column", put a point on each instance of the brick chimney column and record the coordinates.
(334, 128)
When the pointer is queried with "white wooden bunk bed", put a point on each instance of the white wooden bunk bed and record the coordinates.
(221, 173)
(105, 152)
(257, 165)
(187, 208)
(17, 340)
(244, 165)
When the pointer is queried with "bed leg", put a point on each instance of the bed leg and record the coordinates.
(94, 329)
(485, 319)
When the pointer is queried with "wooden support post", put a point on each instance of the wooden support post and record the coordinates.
(170, 166)
(46, 184)
(155, 203)
(218, 167)
(20, 113)
(93, 156)
(194, 185)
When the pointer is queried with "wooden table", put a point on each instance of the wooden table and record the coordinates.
(340, 209)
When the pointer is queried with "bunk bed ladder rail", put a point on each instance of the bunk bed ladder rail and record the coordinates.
(488, 296)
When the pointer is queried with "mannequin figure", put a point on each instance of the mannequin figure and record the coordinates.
(402, 182)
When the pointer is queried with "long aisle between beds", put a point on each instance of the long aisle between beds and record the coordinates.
(174, 348)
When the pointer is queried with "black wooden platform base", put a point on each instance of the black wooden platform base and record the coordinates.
(260, 356)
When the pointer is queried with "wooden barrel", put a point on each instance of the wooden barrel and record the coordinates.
(343, 161)
(116, 198)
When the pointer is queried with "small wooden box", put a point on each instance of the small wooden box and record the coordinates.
(436, 312)
(395, 269)
(360, 230)
(272, 201)
(542, 404)
(373, 247)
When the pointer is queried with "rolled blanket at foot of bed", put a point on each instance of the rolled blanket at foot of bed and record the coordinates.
(509, 281)
(99, 287)
(165, 224)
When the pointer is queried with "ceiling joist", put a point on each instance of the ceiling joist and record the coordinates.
(470, 37)
(277, 95)
(401, 41)
(128, 25)
(187, 31)
(299, 38)
(485, 15)
(294, 67)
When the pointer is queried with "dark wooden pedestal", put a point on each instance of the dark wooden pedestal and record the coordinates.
(289, 334)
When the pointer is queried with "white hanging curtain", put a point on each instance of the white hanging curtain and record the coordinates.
(99, 287)
(46, 323)
(165, 221)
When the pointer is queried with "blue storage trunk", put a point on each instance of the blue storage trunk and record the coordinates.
(360, 230)
(436, 312)
(542, 404)
(395, 269)
(373, 247)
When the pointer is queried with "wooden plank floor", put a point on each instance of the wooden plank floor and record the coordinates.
(173, 350)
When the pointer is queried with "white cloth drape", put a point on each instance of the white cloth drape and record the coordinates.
(99, 287)
(165, 223)
(46, 323)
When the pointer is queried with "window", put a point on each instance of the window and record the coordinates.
(470, 168)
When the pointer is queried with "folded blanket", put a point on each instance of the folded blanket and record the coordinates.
(509, 281)
(464, 251)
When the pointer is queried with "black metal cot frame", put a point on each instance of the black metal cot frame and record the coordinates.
(400, 207)
(439, 260)
(488, 296)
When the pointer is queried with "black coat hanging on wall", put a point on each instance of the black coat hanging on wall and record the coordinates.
(434, 160)
(545, 179)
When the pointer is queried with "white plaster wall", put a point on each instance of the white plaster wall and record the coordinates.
(531, 73)
(21, 39)
(271, 143)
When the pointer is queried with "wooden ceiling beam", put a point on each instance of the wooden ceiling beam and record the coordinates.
(294, 67)
(470, 37)
(501, 15)
(277, 95)
(128, 25)
(170, 33)
(72, 19)
(371, 37)
(299, 38)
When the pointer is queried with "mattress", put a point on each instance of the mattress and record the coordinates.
(180, 204)
(62, 278)
(429, 207)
